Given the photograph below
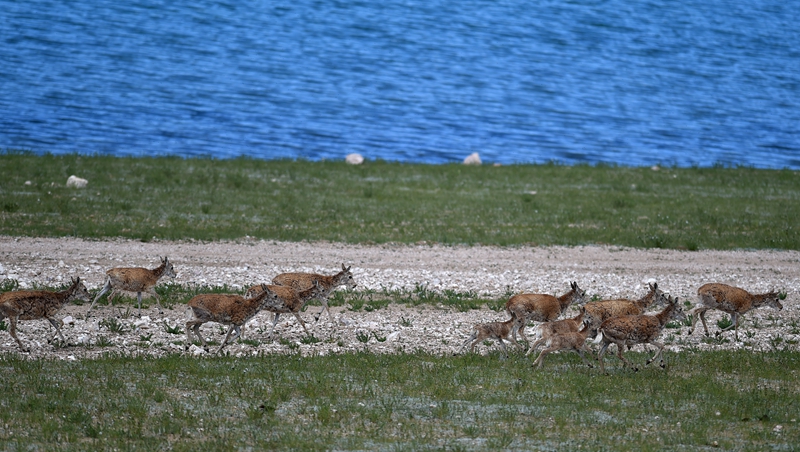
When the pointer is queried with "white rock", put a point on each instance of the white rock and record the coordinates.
(83, 339)
(2, 269)
(196, 351)
(27, 182)
(76, 182)
(473, 159)
(354, 159)
(68, 320)
(393, 336)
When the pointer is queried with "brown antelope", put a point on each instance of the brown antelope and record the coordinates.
(733, 300)
(541, 307)
(574, 340)
(637, 329)
(303, 281)
(598, 312)
(491, 330)
(137, 280)
(39, 304)
(291, 301)
(564, 326)
(227, 309)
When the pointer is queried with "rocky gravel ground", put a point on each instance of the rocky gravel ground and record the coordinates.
(607, 272)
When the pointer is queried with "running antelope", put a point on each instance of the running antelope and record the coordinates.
(39, 304)
(303, 281)
(227, 309)
(598, 312)
(137, 280)
(637, 329)
(491, 330)
(733, 300)
(574, 340)
(564, 326)
(541, 307)
(291, 301)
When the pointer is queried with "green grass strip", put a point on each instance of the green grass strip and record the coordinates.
(416, 401)
(378, 202)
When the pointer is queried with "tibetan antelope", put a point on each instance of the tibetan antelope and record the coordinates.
(303, 281)
(733, 300)
(39, 304)
(564, 326)
(491, 330)
(574, 340)
(227, 309)
(637, 329)
(598, 312)
(291, 301)
(541, 307)
(135, 280)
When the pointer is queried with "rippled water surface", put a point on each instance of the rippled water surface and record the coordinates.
(633, 83)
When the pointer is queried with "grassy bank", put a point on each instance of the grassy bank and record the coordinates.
(172, 198)
(400, 402)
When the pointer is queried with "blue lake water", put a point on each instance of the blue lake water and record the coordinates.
(691, 82)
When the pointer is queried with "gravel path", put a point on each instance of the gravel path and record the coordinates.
(604, 271)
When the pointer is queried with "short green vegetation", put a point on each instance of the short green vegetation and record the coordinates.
(377, 202)
(366, 401)
(407, 401)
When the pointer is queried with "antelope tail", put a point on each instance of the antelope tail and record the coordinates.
(599, 337)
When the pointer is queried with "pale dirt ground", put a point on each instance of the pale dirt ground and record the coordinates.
(608, 272)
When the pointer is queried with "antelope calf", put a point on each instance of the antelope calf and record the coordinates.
(637, 329)
(292, 301)
(565, 326)
(491, 330)
(541, 307)
(39, 304)
(733, 300)
(574, 340)
(137, 280)
(598, 312)
(227, 309)
(303, 281)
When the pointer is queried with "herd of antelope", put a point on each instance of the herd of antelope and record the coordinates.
(620, 321)
(288, 293)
